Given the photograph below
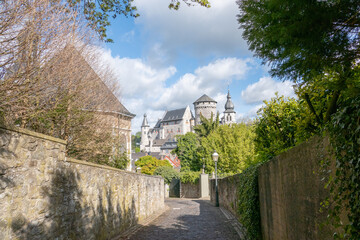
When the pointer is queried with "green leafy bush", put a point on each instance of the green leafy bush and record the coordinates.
(189, 177)
(249, 204)
(120, 161)
(149, 164)
(276, 126)
(168, 173)
(345, 188)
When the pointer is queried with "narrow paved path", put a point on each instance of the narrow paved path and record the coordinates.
(188, 219)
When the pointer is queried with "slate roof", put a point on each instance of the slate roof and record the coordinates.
(204, 98)
(145, 122)
(174, 115)
(157, 125)
(169, 144)
(159, 142)
(192, 115)
(137, 155)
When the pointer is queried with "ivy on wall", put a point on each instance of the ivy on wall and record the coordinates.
(249, 204)
(345, 187)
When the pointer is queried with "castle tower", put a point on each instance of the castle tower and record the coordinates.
(205, 105)
(229, 113)
(144, 134)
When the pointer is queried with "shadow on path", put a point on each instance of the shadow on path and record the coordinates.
(188, 219)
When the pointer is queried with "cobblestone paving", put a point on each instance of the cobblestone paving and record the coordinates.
(188, 219)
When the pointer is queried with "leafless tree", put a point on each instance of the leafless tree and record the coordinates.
(46, 82)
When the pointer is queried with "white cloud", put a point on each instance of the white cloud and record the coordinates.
(136, 78)
(210, 79)
(265, 89)
(194, 30)
(144, 89)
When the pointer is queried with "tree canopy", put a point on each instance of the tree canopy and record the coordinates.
(207, 125)
(235, 145)
(302, 40)
(187, 152)
(277, 126)
(97, 12)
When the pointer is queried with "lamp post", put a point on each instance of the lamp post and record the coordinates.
(215, 157)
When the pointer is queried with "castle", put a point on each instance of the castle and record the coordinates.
(160, 140)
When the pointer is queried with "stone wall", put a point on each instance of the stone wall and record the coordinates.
(43, 195)
(228, 193)
(189, 190)
(291, 191)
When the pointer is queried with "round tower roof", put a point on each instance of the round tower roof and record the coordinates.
(229, 104)
(205, 98)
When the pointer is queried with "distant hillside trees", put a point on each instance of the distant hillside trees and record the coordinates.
(135, 141)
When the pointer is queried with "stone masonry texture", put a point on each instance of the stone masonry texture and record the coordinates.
(291, 192)
(190, 190)
(291, 189)
(44, 195)
(228, 193)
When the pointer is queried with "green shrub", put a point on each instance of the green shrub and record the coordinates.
(189, 177)
(344, 187)
(120, 161)
(168, 173)
(249, 204)
(149, 164)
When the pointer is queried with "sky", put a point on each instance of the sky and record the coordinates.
(167, 59)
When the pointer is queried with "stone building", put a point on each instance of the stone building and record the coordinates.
(205, 106)
(161, 138)
(112, 115)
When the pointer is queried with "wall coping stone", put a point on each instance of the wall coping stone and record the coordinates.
(73, 160)
(33, 134)
(70, 160)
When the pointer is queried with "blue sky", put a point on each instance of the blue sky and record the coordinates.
(166, 59)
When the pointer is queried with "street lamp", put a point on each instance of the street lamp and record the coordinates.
(203, 170)
(215, 157)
